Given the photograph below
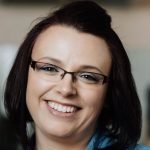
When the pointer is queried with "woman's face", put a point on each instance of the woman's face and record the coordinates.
(67, 109)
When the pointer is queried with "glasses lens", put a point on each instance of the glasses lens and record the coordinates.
(48, 71)
(91, 78)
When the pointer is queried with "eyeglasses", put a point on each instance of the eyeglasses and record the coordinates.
(54, 73)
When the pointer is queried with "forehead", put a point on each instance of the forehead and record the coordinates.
(72, 47)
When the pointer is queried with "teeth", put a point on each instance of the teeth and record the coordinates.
(61, 108)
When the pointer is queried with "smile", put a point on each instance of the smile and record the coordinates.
(62, 108)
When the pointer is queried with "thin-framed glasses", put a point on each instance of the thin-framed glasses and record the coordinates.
(55, 73)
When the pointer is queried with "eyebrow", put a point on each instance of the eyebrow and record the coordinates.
(90, 67)
(59, 62)
(51, 59)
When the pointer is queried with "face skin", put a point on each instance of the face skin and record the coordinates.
(73, 51)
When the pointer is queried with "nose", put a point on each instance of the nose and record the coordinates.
(66, 87)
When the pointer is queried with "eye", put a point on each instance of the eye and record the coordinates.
(90, 77)
(47, 68)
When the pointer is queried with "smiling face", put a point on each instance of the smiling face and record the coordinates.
(65, 109)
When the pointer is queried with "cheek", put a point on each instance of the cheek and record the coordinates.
(94, 99)
(36, 87)
(32, 92)
(93, 102)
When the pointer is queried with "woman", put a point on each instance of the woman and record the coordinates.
(72, 79)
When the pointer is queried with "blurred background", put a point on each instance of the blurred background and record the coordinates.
(131, 20)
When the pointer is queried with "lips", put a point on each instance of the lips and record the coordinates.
(62, 108)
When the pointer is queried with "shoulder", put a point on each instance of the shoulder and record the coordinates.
(142, 147)
(105, 142)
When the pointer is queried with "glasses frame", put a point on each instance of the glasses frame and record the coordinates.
(73, 74)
